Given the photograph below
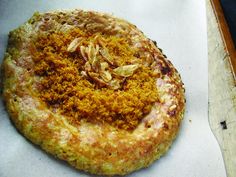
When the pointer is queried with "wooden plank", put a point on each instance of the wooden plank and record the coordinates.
(222, 93)
(226, 36)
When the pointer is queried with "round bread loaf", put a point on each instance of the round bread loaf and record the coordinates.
(92, 90)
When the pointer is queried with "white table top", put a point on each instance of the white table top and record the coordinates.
(179, 27)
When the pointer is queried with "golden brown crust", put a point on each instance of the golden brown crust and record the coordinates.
(96, 148)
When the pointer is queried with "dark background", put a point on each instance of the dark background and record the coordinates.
(229, 8)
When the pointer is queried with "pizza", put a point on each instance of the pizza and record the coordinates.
(91, 89)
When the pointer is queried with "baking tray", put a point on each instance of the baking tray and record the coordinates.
(179, 27)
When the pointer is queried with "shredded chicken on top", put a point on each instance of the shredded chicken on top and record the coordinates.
(95, 77)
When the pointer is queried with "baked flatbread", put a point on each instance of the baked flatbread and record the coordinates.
(91, 89)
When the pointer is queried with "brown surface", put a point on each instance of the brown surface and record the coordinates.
(226, 36)
(222, 93)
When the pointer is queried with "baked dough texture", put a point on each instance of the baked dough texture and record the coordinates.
(97, 148)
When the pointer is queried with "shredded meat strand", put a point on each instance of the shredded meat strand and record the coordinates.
(78, 95)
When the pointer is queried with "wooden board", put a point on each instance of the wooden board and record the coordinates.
(222, 91)
(225, 33)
